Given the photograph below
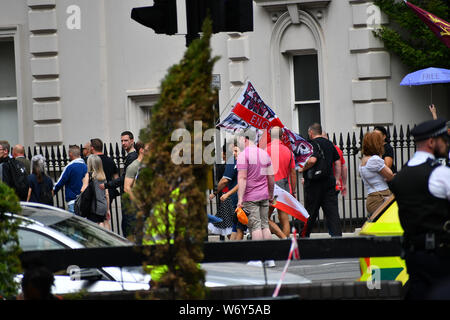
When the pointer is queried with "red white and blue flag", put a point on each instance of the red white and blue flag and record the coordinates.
(250, 112)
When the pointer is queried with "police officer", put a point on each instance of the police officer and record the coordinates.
(422, 191)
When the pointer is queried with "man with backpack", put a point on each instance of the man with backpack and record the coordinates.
(320, 183)
(13, 172)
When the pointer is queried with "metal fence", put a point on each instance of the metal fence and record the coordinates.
(351, 208)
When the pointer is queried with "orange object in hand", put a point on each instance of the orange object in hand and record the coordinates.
(242, 215)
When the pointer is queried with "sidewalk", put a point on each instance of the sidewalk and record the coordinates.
(318, 235)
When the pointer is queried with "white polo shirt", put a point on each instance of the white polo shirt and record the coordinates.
(439, 181)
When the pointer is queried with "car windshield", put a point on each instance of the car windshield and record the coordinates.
(88, 234)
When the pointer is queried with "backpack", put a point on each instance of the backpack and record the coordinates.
(45, 193)
(320, 168)
(84, 201)
(91, 201)
(19, 178)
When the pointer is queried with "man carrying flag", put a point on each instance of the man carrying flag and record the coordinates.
(283, 164)
(251, 113)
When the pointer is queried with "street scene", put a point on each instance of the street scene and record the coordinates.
(224, 150)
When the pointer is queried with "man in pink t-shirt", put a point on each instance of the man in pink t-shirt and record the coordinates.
(255, 185)
(283, 164)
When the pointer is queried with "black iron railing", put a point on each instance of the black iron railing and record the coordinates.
(351, 208)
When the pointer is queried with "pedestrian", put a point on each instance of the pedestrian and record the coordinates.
(72, 177)
(109, 166)
(283, 164)
(388, 151)
(374, 172)
(433, 111)
(342, 185)
(127, 141)
(37, 284)
(238, 229)
(131, 175)
(12, 172)
(41, 185)
(86, 151)
(19, 154)
(320, 183)
(422, 191)
(255, 186)
(100, 212)
(225, 205)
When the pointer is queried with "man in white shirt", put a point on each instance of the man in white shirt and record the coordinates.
(422, 191)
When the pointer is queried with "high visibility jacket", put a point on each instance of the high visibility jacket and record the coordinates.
(156, 231)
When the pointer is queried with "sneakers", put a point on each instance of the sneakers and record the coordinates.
(258, 263)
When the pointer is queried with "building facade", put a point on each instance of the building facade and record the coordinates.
(71, 70)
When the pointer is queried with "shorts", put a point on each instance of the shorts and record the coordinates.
(283, 184)
(258, 214)
(237, 225)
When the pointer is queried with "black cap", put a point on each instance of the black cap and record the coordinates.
(429, 129)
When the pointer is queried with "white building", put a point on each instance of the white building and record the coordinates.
(71, 70)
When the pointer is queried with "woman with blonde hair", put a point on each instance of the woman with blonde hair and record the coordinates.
(100, 211)
(374, 173)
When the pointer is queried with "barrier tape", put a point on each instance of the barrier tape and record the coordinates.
(293, 251)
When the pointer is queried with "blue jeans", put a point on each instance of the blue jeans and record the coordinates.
(70, 206)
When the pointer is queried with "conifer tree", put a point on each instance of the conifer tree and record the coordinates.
(9, 242)
(186, 96)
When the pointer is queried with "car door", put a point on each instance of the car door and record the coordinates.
(73, 279)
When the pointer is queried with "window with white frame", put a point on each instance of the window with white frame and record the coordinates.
(139, 109)
(9, 126)
(306, 91)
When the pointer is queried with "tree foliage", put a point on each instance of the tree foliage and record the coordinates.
(410, 38)
(186, 96)
(9, 242)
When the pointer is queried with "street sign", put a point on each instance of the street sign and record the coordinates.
(215, 82)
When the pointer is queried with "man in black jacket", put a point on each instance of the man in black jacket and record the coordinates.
(12, 172)
(320, 183)
(127, 140)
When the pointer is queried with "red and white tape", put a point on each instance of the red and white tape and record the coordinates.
(293, 252)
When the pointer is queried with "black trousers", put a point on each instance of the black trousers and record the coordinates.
(429, 275)
(322, 194)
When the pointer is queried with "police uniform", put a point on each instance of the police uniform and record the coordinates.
(422, 191)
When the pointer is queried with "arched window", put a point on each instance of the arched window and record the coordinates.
(298, 85)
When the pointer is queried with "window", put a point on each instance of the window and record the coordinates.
(306, 90)
(9, 127)
(30, 240)
(139, 109)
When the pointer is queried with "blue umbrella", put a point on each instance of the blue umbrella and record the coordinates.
(427, 76)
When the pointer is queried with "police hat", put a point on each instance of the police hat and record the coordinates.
(429, 129)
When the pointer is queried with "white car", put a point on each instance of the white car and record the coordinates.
(45, 227)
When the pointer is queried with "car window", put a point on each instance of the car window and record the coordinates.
(88, 234)
(31, 240)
